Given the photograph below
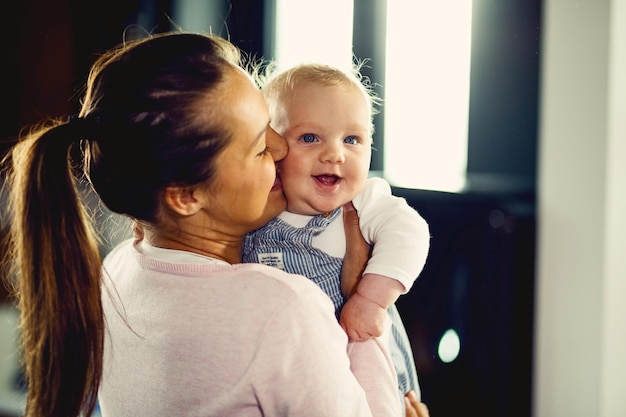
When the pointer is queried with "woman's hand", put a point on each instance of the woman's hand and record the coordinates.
(413, 406)
(358, 252)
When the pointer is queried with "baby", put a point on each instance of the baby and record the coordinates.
(326, 117)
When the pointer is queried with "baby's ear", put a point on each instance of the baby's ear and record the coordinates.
(182, 200)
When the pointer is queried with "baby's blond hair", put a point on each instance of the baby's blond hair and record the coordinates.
(277, 85)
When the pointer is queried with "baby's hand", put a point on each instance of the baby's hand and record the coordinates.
(362, 319)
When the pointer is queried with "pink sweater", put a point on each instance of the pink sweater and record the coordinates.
(203, 339)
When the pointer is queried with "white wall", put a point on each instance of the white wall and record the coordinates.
(580, 363)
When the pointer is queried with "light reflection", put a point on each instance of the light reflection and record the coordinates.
(449, 346)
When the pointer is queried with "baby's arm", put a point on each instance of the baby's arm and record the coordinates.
(400, 239)
(365, 312)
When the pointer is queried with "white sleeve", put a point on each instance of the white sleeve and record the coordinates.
(302, 368)
(400, 236)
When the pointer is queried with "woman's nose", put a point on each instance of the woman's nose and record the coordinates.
(277, 145)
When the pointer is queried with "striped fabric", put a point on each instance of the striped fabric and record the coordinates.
(291, 249)
(283, 246)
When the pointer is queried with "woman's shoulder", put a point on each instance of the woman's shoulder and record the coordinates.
(276, 280)
(269, 293)
(248, 282)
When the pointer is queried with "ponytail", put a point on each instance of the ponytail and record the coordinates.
(147, 98)
(58, 267)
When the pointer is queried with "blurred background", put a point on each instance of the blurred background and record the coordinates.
(500, 125)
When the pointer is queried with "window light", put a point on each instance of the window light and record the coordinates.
(427, 93)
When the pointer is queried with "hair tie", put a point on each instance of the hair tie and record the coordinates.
(85, 127)
(76, 118)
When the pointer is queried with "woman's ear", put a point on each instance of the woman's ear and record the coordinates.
(182, 200)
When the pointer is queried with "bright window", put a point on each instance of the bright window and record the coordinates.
(319, 30)
(427, 93)
(426, 88)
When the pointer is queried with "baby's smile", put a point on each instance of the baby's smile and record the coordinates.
(327, 179)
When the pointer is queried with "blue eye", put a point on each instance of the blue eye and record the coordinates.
(308, 138)
(351, 140)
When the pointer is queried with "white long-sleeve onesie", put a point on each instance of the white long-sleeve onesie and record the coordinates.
(400, 236)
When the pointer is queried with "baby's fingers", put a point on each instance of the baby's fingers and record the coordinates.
(355, 335)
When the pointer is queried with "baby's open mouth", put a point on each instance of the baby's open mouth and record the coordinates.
(328, 179)
(277, 184)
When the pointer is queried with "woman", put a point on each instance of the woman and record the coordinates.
(176, 136)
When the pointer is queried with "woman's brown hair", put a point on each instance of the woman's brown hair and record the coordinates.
(147, 122)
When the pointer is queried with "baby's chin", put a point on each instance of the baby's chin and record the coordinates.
(315, 209)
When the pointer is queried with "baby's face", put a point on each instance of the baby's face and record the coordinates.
(328, 132)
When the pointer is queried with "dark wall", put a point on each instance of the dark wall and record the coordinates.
(49, 46)
(504, 90)
(478, 281)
